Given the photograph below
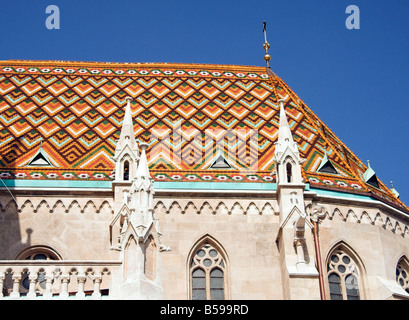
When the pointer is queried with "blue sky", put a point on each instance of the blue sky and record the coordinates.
(356, 81)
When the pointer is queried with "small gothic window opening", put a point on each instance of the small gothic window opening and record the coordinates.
(289, 172)
(126, 170)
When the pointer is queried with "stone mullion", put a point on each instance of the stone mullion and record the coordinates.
(207, 273)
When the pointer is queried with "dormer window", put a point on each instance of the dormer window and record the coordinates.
(370, 177)
(326, 166)
(373, 181)
(40, 159)
(220, 163)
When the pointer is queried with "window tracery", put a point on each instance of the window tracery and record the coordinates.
(343, 276)
(402, 274)
(208, 273)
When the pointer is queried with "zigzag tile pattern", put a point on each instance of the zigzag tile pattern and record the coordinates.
(185, 112)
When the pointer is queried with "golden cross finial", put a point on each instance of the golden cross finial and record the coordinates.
(266, 46)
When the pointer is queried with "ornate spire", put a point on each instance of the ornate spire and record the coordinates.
(284, 132)
(266, 46)
(286, 151)
(285, 138)
(126, 151)
(142, 192)
(394, 191)
(143, 168)
(127, 132)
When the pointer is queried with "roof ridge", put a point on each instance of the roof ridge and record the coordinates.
(129, 64)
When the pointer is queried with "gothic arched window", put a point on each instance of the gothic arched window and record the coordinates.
(207, 272)
(343, 276)
(289, 172)
(126, 170)
(402, 274)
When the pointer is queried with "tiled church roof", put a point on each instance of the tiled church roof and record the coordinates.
(187, 113)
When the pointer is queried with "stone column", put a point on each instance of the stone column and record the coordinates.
(65, 279)
(16, 286)
(97, 283)
(32, 277)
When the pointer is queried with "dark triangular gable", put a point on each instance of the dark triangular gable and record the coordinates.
(220, 163)
(373, 181)
(39, 160)
(326, 166)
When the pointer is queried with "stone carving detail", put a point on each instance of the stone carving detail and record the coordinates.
(70, 206)
(219, 207)
(318, 212)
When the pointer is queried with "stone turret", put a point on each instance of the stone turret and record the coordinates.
(134, 231)
(294, 238)
(126, 151)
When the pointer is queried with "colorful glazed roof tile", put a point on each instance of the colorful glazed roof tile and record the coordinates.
(187, 113)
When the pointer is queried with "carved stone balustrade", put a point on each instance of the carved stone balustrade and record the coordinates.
(55, 279)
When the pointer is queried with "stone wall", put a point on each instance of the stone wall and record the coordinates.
(77, 228)
(244, 227)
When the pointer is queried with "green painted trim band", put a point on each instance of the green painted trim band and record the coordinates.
(171, 185)
(57, 184)
(323, 192)
(163, 185)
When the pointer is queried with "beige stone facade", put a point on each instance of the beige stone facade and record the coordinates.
(244, 227)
